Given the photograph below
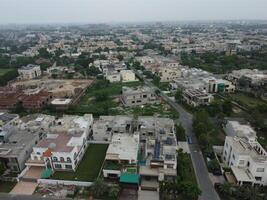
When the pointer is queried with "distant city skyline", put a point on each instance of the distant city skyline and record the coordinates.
(108, 11)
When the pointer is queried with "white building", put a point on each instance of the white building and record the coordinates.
(123, 149)
(127, 76)
(65, 145)
(197, 97)
(246, 157)
(29, 72)
(113, 77)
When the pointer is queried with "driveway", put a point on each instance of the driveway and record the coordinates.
(34, 173)
(148, 195)
(24, 188)
(128, 194)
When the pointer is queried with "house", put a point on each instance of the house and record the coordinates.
(243, 153)
(113, 76)
(197, 97)
(157, 151)
(106, 126)
(123, 150)
(65, 144)
(147, 142)
(29, 72)
(127, 76)
(137, 96)
(16, 147)
(168, 73)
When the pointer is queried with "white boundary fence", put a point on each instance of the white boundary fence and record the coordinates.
(63, 182)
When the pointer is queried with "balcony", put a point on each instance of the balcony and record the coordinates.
(39, 163)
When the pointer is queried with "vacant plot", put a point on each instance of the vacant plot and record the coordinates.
(160, 110)
(105, 106)
(247, 101)
(6, 187)
(89, 167)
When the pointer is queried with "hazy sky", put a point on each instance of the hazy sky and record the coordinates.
(94, 11)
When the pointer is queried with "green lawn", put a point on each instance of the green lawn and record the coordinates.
(89, 167)
(4, 71)
(246, 100)
(6, 187)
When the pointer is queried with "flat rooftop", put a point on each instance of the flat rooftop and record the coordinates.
(17, 143)
(123, 146)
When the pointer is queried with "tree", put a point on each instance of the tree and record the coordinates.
(178, 95)
(190, 190)
(156, 80)
(227, 107)
(43, 53)
(99, 188)
(120, 57)
(113, 192)
(93, 71)
(101, 96)
(180, 133)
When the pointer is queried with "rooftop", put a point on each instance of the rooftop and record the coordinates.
(124, 146)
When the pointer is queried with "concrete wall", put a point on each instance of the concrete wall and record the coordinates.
(63, 182)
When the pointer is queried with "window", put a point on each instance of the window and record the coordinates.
(258, 178)
(68, 159)
(54, 159)
(233, 156)
(260, 170)
(38, 153)
(58, 166)
(75, 155)
(68, 166)
(61, 159)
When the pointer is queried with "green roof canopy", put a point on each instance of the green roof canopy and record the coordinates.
(46, 173)
(129, 178)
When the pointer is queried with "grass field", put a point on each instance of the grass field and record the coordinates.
(89, 167)
(6, 187)
(111, 90)
(88, 104)
(4, 71)
(247, 101)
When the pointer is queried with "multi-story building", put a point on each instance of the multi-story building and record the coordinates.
(137, 96)
(29, 72)
(157, 151)
(64, 146)
(197, 97)
(127, 76)
(169, 73)
(147, 142)
(246, 157)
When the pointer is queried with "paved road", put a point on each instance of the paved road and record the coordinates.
(4, 196)
(201, 171)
